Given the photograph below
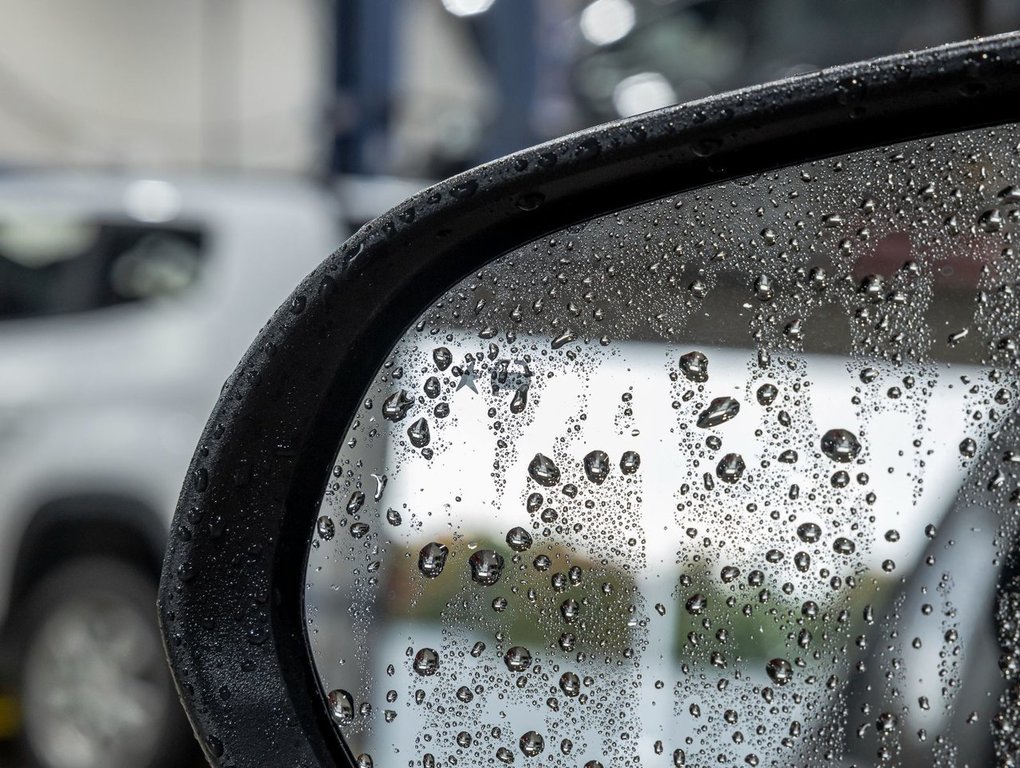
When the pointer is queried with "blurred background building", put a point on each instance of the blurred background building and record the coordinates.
(168, 171)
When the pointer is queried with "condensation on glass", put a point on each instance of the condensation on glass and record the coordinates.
(729, 477)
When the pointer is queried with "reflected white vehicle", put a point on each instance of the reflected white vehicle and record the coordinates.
(124, 301)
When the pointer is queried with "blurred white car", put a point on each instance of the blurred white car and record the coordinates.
(124, 304)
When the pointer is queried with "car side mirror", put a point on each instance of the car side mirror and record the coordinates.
(687, 439)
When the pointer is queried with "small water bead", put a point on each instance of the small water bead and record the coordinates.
(868, 375)
(431, 387)
(840, 445)
(767, 394)
(764, 289)
(396, 406)
(968, 447)
(358, 530)
(486, 567)
(593, 764)
(543, 471)
(534, 502)
(441, 411)
(596, 466)
(679, 758)
(788, 456)
(432, 559)
(364, 760)
(518, 539)
(426, 662)
(892, 535)
(517, 658)
(840, 479)
(499, 604)
(802, 560)
(570, 684)
(464, 694)
(393, 517)
(844, 546)
(325, 528)
(719, 411)
(464, 739)
(532, 743)
(779, 671)
(567, 641)
(809, 533)
(630, 462)
(542, 563)
(478, 649)
(442, 357)
(731, 468)
(504, 755)
(341, 705)
(694, 366)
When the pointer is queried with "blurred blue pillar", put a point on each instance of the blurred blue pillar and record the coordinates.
(364, 71)
(506, 38)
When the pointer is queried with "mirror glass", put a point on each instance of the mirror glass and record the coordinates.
(729, 477)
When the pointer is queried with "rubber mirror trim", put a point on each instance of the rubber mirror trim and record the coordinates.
(230, 600)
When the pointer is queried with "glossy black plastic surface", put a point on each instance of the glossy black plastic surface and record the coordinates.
(230, 600)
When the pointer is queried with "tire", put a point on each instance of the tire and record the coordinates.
(94, 685)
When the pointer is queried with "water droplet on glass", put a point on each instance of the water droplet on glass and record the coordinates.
(843, 546)
(596, 466)
(730, 468)
(779, 671)
(517, 659)
(418, 433)
(341, 705)
(358, 530)
(325, 528)
(679, 758)
(426, 662)
(355, 502)
(763, 288)
(432, 559)
(696, 604)
(396, 406)
(629, 462)
(968, 447)
(486, 567)
(767, 394)
(464, 739)
(393, 517)
(563, 339)
(570, 684)
(543, 471)
(809, 533)
(532, 743)
(518, 539)
(694, 365)
(520, 399)
(504, 755)
(719, 411)
(570, 610)
(442, 358)
(840, 445)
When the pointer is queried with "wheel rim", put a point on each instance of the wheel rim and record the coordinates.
(94, 685)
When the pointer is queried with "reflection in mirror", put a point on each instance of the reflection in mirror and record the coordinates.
(728, 477)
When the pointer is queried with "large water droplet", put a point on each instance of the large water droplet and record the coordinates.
(518, 539)
(325, 528)
(442, 357)
(844, 546)
(694, 365)
(396, 406)
(543, 471)
(840, 445)
(696, 604)
(719, 411)
(517, 659)
(341, 705)
(520, 399)
(629, 462)
(767, 394)
(596, 466)
(432, 559)
(532, 743)
(393, 517)
(486, 567)
(355, 502)
(426, 662)
(809, 533)
(730, 468)
(779, 671)
(570, 684)
(418, 433)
